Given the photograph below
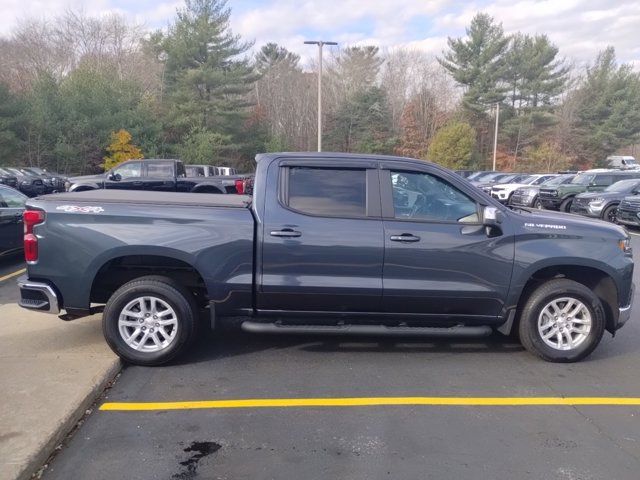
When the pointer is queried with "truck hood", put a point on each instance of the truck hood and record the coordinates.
(605, 195)
(564, 222)
(87, 178)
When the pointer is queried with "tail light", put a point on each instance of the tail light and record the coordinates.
(31, 218)
(239, 187)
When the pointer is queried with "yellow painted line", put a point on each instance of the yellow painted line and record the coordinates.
(14, 274)
(370, 402)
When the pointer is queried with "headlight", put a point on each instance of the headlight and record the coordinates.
(529, 192)
(67, 186)
(24, 182)
(596, 202)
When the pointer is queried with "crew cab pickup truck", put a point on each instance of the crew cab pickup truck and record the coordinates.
(328, 244)
(158, 175)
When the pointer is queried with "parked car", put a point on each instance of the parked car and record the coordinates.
(622, 162)
(527, 196)
(498, 179)
(475, 176)
(465, 173)
(561, 197)
(228, 171)
(11, 209)
(330, 243)
(152, 174)
(8, 180)
(29, 184)
(628, 212)
(503, 191)
(604, 204)
(53, 182)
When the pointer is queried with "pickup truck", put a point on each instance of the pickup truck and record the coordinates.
(328, 244)
(163, 175)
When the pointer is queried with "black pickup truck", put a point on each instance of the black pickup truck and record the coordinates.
(160, 175)
(329, 244)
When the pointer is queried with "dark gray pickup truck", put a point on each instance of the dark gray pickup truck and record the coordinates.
(329, 244)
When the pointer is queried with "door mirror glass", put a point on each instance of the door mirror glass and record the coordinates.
(114, 177)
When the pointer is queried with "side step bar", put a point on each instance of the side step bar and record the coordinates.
(456, 331)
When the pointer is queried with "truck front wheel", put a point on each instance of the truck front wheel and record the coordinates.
(150, 320)
(565, 206)
(562, 321)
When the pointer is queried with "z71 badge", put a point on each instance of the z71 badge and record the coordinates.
(79, 209)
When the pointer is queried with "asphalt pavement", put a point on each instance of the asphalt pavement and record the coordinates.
(571, 442)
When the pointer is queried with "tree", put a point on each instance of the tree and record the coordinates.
(453, 145)
(11, 120)
(202, 146)
(120, 149)
(206, 81)
(545, 158)
(477, 63)
(608, 112)
(361, 124)
(273, 55)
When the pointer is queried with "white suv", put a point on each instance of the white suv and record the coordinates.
(503, 192)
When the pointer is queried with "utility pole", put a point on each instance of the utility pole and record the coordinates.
(320, 44)
(495, 136)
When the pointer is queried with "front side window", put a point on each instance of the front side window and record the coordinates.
(10, 199)
(129, 170)
(328, 192)
(422, 196)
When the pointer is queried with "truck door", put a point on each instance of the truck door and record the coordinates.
(127, 176)
(322, 243)
(159, 176)
(439, 260)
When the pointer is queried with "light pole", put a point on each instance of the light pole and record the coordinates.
(495, 136)
(320, 43)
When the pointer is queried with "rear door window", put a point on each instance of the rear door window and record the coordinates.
(330, 192)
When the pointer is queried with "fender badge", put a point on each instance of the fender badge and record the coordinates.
(78, 209)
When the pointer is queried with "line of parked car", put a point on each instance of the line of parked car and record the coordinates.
(607, 194)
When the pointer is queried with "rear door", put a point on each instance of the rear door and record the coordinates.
(159, 176)
(322, 247)
(440, 262)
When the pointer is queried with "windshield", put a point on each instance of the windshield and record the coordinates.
(15, 171)
(559, 180)
(622, 186)
(480, 175)
(582, 179)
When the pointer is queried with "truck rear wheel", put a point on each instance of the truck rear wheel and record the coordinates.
(562, 321)
(150, 320)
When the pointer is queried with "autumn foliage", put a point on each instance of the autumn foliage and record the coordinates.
(120, 149)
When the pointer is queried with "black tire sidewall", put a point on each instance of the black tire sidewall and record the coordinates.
(539, 299)
(166, 292)
(565, 206)
(537, 204)
(605, 214)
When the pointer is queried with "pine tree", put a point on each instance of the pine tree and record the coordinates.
(477, 62)
(206, 81)
(273, 55)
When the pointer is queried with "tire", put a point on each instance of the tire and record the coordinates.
(610, 214)
(535, 312)
(565, 206)
(174, 327)
(537, 204)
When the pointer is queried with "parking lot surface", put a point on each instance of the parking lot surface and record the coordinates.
(384, 441)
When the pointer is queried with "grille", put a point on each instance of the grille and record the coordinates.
(548, 193)
(581, 201)
(629, 206)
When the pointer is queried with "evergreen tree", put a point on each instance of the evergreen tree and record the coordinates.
(608, 112)
(478, 63)
(273, 55)
(12, 112)
(356, 69)
(207, 83)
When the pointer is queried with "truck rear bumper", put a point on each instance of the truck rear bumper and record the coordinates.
(38, 296)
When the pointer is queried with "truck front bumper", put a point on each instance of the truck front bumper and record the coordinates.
(624, 313)
(38, 296)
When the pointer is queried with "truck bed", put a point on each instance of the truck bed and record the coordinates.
(152, 198)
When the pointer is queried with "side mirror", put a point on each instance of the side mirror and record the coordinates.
(114, 177)
(492, 217)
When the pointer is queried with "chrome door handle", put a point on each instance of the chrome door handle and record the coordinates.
(287, 232)
(405, 237)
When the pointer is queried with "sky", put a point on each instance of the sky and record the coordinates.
(580, 28)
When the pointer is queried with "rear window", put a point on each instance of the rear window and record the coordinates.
(328, 192)
(162, 169)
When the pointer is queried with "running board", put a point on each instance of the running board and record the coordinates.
(456, 331)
